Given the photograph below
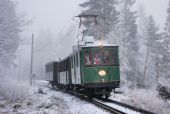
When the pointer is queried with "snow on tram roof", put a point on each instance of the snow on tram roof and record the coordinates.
(90, 42)
(98, 43)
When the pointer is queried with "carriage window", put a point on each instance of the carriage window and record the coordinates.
(71, 61)
(74, 60)
(115, 59)
(77, 59)
(88, 57)
(64, 65)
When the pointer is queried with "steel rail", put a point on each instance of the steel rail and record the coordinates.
(106, 107)
(127, 106)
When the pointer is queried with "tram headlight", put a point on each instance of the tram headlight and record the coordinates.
(100, 43)
(102, 72)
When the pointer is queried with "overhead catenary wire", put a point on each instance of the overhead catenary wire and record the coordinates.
(69, 20)
(37, 44)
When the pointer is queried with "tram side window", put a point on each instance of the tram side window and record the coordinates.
(71, 62)
(74, 60)
(115, 56)
(77, 59)
(63, 66)
(88, 60)
(60, 66)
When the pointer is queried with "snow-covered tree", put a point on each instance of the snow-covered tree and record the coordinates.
(10, 27)
(129, 41)
(149, 45)
(165, 52)
(107, 16)
(142, 35)
(151, 58)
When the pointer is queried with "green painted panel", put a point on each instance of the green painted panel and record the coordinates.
(91, 74)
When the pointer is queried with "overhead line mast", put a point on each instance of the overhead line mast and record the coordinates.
(87, 16)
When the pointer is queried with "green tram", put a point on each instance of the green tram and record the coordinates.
(90, 69)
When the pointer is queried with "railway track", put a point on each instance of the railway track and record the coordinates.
(103, 103)
(106, 107)
(97, 103)
(136, 109)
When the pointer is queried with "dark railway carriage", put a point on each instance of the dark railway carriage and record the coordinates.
(64, 73)
(51, 69)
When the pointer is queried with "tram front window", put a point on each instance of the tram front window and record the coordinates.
(101, 57)
(88, 60)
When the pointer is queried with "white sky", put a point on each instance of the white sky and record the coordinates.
(55, 14)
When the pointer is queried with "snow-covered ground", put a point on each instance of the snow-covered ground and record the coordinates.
(51, 102)
(143, 98)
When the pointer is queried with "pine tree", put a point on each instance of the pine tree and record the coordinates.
(107, 16)
(10, 27)
(129, 42)
(165, 59)
(142, 39)
(151, 59)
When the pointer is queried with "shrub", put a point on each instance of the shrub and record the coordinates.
(13, 90)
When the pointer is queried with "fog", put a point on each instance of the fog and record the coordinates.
(49, 28)
(53, 27)
(56, 17)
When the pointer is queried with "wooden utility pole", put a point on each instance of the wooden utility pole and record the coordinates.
(146, 61)
(157, 68)
(31, 69)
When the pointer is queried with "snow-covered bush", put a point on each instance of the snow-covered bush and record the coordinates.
(13, 90)
(164, 81)
(147, 99)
